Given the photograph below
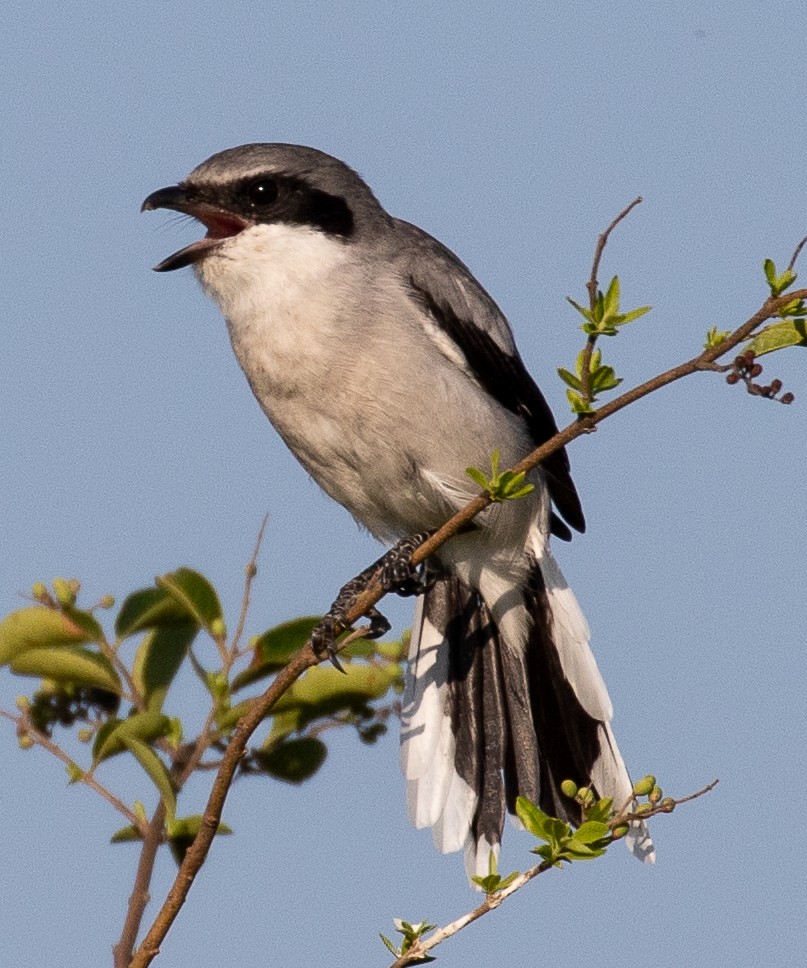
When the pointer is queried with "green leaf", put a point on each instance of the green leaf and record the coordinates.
(770, 271)
(156, 770)
(778, 336)
(149, 608)
(39, 627)
(578, 404)
(74, 772)
(68, 664)
(569, 379)
(477, 477)
(194, 592)
(390, 946)
(182, 833)
(591, 831)
(539, 824)
(325, 691)
(633, 314)
(293, 761)
(610, 302)
(601, 811)
(715, 337)
(585, 313)
(114, 735)
(125, 835)
(158, 658)
(275, 647)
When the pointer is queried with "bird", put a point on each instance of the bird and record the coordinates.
(388, 371)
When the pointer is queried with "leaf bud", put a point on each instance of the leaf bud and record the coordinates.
(107, 601)
(667, 805)
(74, 585)
(23, 703)
(251, 570)
(642, 787)
(756, 369)
(655, 794)
(733, 378)
(40, 593)
(776, 386)
(84, 735)
(788, 398)
(25, 742)
(644, 809)
(64, 594)
(569, 789)
(218, 629)
(620, 830)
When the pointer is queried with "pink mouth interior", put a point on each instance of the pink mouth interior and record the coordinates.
(221, 226)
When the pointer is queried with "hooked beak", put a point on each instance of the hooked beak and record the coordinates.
(220, 225)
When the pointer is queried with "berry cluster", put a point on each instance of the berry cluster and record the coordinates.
(67, 704)
(747, 369)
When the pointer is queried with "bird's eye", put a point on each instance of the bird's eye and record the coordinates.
(262, 192)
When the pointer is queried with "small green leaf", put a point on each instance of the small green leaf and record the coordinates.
(611, 298)
(195, 593)
(182, 833)
(113, 736)
(585, 313)
(778, 336)
(770, 271)
(715, 337)
(275, 647)
(578, 404)
(125, 835)
(591, 831)
(158, 658)
(601, 811)
(149, 608)
(39, 627)
(569, 379)
(293, 761)
(539, 824)
(477, 477)
(68, 664)
(74, 772)
(156, 770)
(633, 314)
(390, 946)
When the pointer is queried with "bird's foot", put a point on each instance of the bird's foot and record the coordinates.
(396, 574)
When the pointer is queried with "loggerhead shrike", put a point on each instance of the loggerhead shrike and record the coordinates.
(388, 370)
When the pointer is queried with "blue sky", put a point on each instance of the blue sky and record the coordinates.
(131, 443)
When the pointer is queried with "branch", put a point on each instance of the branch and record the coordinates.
(25, 728)
(306, 657)
(492, 901)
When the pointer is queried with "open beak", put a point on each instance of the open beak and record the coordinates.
(220, 225)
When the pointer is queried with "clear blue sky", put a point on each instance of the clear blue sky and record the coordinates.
(131, 444)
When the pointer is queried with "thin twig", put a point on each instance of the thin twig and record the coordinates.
(306, 657)
(251, 571)
(492, 901)
(593, 289)
(602, 240)
(796, 253)
(26, 728)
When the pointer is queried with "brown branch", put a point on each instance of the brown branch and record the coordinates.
(492, 901)
(140, 896)
(251, 571)
(306, 657)
(26, 728)
(602, 240)
(796, 253)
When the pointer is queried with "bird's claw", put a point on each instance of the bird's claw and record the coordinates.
(396, 574)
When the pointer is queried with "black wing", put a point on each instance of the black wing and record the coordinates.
(473, 322)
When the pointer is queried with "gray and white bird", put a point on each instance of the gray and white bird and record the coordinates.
(388, 370)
